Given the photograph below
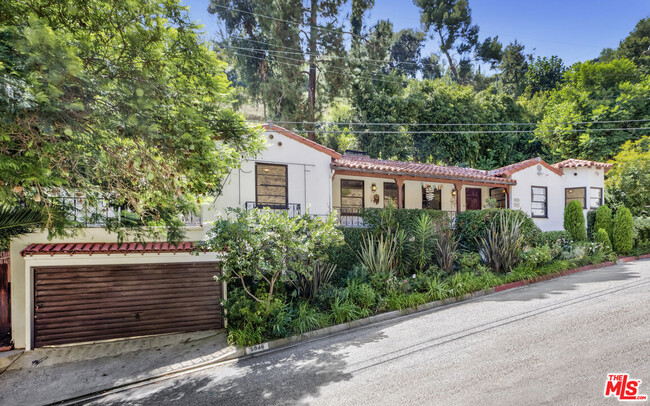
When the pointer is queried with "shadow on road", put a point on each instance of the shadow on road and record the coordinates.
(280, 378)
(561, 285)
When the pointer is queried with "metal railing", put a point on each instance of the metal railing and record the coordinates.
(95, 215)
(351, 216)
(293, 209)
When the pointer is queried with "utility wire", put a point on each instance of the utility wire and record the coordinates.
(287, 21)
(466, 132)
(456, 124)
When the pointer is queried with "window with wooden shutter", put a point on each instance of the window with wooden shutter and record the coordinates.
(271, 186)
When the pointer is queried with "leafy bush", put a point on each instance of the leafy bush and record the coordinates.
(501, 243)
(551, 238)
(361, 294)
(423, 244)
(402, 218)
(591, 219)
(473, 223)
(622, 238)
(437, 289)
(462, 283)
(307, 285)
(537, 256)
(261, 248)
(603, 220)
(344, 256)
(344, 311)
(574, 221)
(307, 319)
(641, 230)
(602, 238)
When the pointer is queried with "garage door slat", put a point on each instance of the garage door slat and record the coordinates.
(90, 303)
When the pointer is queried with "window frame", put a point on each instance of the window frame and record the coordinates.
(532, 200)
(286, 187)
(396, 202)
(600, 202)
(584, 198)
(363, 194)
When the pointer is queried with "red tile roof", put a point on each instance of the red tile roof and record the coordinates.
(366, 164)
(106, 248)
(516, 167)
(575, 163)
(301, 139)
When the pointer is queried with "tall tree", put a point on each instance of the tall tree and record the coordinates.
(544, 74)
(116, 101)
(514, 66)
(635, 47)
(277, 45)
(450, 23)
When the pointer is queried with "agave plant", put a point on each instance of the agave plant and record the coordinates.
(501, 243)
(308, 285)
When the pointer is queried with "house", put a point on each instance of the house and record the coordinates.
(89, 287)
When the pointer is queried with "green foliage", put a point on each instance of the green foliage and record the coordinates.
(378, 254)
(308, 318)
(544, 74)
(602, 237)
(423, 237)
(634, 47)
(16, 221)
(344, 256)
(263, 247)
(574, 221)
(437, 289)
(446, 250)
(591, 219)
(514, 67)
(628, 182)
(501, 243)
(308, 285)
(344, 311)
(641, 230)
(537, 256)
(622, 231)
(550, 238)
(117, 100)
(603, 219)
(362, 294)
(473, 223)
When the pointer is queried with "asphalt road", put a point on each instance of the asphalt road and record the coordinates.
(552, 343)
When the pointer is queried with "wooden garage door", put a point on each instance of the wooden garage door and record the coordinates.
(76, 304)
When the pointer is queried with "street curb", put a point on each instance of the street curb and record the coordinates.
(241, 353)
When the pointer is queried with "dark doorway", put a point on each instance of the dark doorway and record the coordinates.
(473, 199)
(5, 303)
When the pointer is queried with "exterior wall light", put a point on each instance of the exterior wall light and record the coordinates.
(373, 187)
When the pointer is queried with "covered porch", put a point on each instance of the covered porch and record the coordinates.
(360, 182)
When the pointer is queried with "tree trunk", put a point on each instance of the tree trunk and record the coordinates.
(313, 49)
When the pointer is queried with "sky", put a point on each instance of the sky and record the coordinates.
(574, 30)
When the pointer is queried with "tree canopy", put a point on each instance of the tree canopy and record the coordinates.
(116, 100)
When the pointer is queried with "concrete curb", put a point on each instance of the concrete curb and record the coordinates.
(241, 353)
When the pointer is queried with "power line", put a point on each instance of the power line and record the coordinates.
(302, 62)
(287, 21)
(466, 132)
(459, 124)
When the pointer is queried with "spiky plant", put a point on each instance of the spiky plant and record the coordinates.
(16, 221)
(446, 248)
(502, 242)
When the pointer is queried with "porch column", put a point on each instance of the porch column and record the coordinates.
(400, 194)
(507, 189)
(459, 192)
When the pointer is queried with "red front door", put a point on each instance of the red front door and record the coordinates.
(473, 199)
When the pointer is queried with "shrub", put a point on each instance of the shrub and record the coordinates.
(377, 219)
(591, 219)
(261, 248)
(423, 244)
(641, 230)
(622, 234)
(307, 319)
(500, 244)
(537, 256)
(345, 311)
(378, 254)
(473, 223)
(574, 221)
(344, 256)
(602, 238)
(603, 220)
(446, 247)
(437, 289)
(361, 294)
(551, 238)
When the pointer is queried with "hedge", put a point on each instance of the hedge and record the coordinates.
(574, 221)
(623, 231)
(404, 217)
(473, 223)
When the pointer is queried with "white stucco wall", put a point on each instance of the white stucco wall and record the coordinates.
(308, 178)
(520, 196)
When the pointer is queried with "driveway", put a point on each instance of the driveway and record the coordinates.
(550, 343)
